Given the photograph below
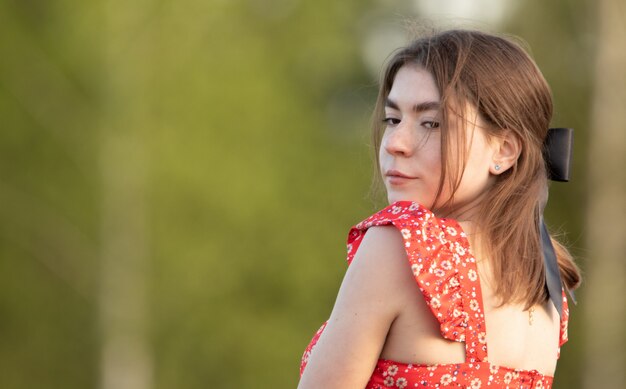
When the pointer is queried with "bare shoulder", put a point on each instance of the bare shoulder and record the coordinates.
(382, 242)
(381, 264)
(367, 304)
(382, 252)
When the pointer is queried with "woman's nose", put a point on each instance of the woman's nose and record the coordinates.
(398, 141)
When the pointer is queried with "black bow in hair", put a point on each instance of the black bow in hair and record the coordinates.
(557, 151)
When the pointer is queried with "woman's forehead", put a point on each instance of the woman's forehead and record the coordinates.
(413, 86)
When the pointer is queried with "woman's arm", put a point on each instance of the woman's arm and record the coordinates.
(367, 304)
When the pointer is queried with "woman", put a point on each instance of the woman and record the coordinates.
(447, 285)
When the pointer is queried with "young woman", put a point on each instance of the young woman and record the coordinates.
(450, 285)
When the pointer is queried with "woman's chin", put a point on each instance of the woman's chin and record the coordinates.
(395, 197)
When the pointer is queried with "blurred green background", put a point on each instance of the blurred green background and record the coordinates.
(177, 178)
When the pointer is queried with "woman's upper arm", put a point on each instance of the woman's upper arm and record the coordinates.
(367, 304)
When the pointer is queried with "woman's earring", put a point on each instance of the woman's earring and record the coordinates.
(497, 167)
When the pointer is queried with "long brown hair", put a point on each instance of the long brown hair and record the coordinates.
(498, 77)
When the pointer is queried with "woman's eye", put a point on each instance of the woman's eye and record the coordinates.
(430, 124)
(391, 121)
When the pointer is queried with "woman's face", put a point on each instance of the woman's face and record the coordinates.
(410, 152)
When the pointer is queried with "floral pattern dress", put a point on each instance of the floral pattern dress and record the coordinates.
(445, 271)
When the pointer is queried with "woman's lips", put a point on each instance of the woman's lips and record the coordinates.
(395, 177)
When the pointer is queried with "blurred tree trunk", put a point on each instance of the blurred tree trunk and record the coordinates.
(605, 291)
(126, 361)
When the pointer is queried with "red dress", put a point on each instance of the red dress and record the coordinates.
(445, 271)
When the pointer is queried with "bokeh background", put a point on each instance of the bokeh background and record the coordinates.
(177, 179)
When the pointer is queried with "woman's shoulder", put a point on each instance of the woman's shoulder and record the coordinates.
(436, 251)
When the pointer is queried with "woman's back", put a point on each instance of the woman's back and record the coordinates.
(517, 338)
(522, 339)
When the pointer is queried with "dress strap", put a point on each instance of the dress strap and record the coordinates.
(476, 331)
(444, 268)
(564, 324)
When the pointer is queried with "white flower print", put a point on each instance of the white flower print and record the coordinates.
(454, 282)
(482, 338)
(493, 369)
(459, 249)
(473, 305)
(392, 370)
(389, 381)
(401, 382)
(396, 209)
(406, 233)
(417, 268)
(306, 356)
(446, 379)
(446, 265)
(508, 377)
(451, 231)
(435, 303)
(539, 385)
(413, 207)
(439, 272)
(475, 384)
(471, 274)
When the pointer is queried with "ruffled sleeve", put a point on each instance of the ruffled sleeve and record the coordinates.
(444, 269)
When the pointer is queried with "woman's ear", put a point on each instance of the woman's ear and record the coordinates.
(506, 151)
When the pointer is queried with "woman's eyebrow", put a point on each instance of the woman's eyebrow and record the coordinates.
(420, 107)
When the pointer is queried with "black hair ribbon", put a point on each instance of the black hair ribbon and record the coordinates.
(557, 151)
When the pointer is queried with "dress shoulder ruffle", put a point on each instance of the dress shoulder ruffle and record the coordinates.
(443, 266)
